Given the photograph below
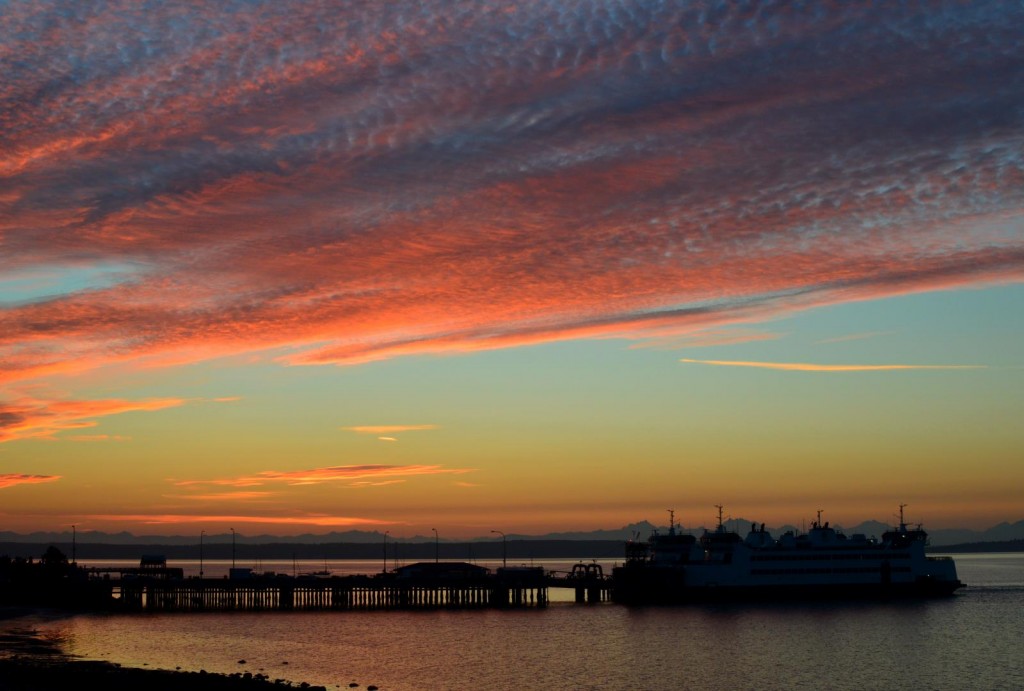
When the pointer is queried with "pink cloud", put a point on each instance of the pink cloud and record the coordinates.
(342, 185)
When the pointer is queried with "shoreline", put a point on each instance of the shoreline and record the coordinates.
(38, 673)
(29, 662)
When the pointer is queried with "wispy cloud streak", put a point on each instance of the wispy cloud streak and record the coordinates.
(172, 519)
(810, 367)
(854, 337)
(358, 181)
(13, 479)
(25, 418)
(388, 429)
(227, 496)
(344, 473)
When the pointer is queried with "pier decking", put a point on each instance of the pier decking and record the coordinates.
(155, 587)
(419, 586)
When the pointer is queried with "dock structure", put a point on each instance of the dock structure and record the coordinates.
(155, 587)
(340, 593)
(587, 580)
(428, 585)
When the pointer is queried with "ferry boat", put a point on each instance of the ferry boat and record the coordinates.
(676, 568)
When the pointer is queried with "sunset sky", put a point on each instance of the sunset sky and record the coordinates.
(296, 267)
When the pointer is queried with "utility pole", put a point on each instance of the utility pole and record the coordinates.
(201, 533)
(436, 549)
(232, 548)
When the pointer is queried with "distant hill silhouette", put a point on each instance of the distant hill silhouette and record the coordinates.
(1002, 532)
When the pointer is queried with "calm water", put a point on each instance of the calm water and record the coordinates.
(970, 641)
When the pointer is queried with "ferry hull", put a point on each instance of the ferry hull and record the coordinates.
(670, 588)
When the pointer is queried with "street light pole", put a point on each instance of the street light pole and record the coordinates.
(386, 550)
(503, 553)
(435, 545)
(74, 543)
(232, 548)
(201, 533)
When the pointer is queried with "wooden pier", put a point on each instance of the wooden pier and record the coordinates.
(444, 586)
(340, 593)
(154, 587)
(448, 585)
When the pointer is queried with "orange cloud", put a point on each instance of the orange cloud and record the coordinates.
(12, 479)
(171, 519)
(342, 473)
(388, 429)
(30, 418)
(227, 496)
(810, 367)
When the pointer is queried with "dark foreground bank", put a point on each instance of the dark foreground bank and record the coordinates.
(30, 662)
(35, 674)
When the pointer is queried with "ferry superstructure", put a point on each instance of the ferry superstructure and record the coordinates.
(675, 567)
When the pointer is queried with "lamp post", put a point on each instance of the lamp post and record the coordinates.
(232, 548)
(435, 545)
(503, 553)
(386, 550)
(201, 533)
(74, 543)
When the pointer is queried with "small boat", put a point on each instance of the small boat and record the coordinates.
(324, 573)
